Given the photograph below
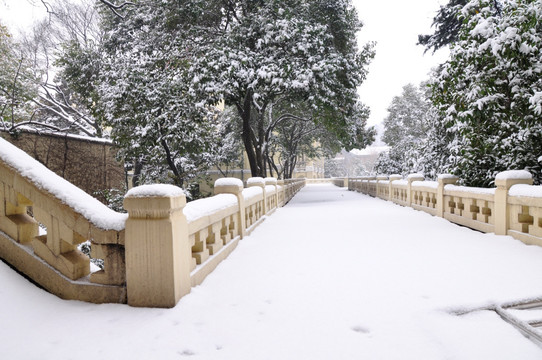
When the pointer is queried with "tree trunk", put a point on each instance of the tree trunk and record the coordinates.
(138, 167)
(252, 147)
(177, 176)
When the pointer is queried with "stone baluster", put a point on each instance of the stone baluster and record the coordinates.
(393, 178)
(234, 186)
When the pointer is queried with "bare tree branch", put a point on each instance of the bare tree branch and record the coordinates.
(115, 7)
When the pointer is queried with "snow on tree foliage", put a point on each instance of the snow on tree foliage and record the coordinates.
(303, 49)
(489, 91)
(405, 131)
(156, 71)
(146, 97)
(486, 115)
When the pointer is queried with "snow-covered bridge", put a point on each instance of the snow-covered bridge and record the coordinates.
(333, 275)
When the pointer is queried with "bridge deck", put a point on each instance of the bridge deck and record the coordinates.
(333, 275)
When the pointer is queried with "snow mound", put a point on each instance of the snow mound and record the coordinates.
(229, 182)
(256, 180)
(526, 190)
(155, 190)
(514, 174)
(204, 207)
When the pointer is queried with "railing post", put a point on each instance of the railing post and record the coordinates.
(504, 181)
(234, 186)
(443, 180)
(392, 179)
(259, 182)
(282, 192)
(273, 182)
(158, 252)
(411, 178)
(379, 179)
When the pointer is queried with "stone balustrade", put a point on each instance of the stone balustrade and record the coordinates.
(513, 208)
(152, 256)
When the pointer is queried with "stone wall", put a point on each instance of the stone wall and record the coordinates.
(87, 163)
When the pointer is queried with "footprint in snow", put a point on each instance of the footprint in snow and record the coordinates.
(186, 352)
(361, 329)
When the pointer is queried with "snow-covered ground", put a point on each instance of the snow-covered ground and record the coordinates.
(333, 275)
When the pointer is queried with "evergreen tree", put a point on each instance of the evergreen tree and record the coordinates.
(265, 50)
(489, 92)
(145, 94)
(17, 84)
(405, 128)
(447, 24)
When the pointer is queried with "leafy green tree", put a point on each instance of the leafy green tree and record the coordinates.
(447, 24)
(145, 94)
(489, 92)
(405, 129)
(17, 85)
(265, 50)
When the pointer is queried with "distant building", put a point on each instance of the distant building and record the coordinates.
(354, 163)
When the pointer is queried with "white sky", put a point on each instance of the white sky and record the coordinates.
(393, 24)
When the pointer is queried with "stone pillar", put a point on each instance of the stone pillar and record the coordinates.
(443, 180)
(273, 182)
(282, 191)
(411, 178)
(392, 178)
(234, 186)
(380, 178)
(158, 251)
(259, 182)
(365, 188)
(504, 181)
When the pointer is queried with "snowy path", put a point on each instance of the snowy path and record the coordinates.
(333, 275)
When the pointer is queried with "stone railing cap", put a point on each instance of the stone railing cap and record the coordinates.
(255, 181)
(228, 182)
(270, 181)
(155, 190)
(514, 175)
(447, 176)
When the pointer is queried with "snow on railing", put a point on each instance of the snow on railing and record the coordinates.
(32, 196)
(152, 256)
(513, 208)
